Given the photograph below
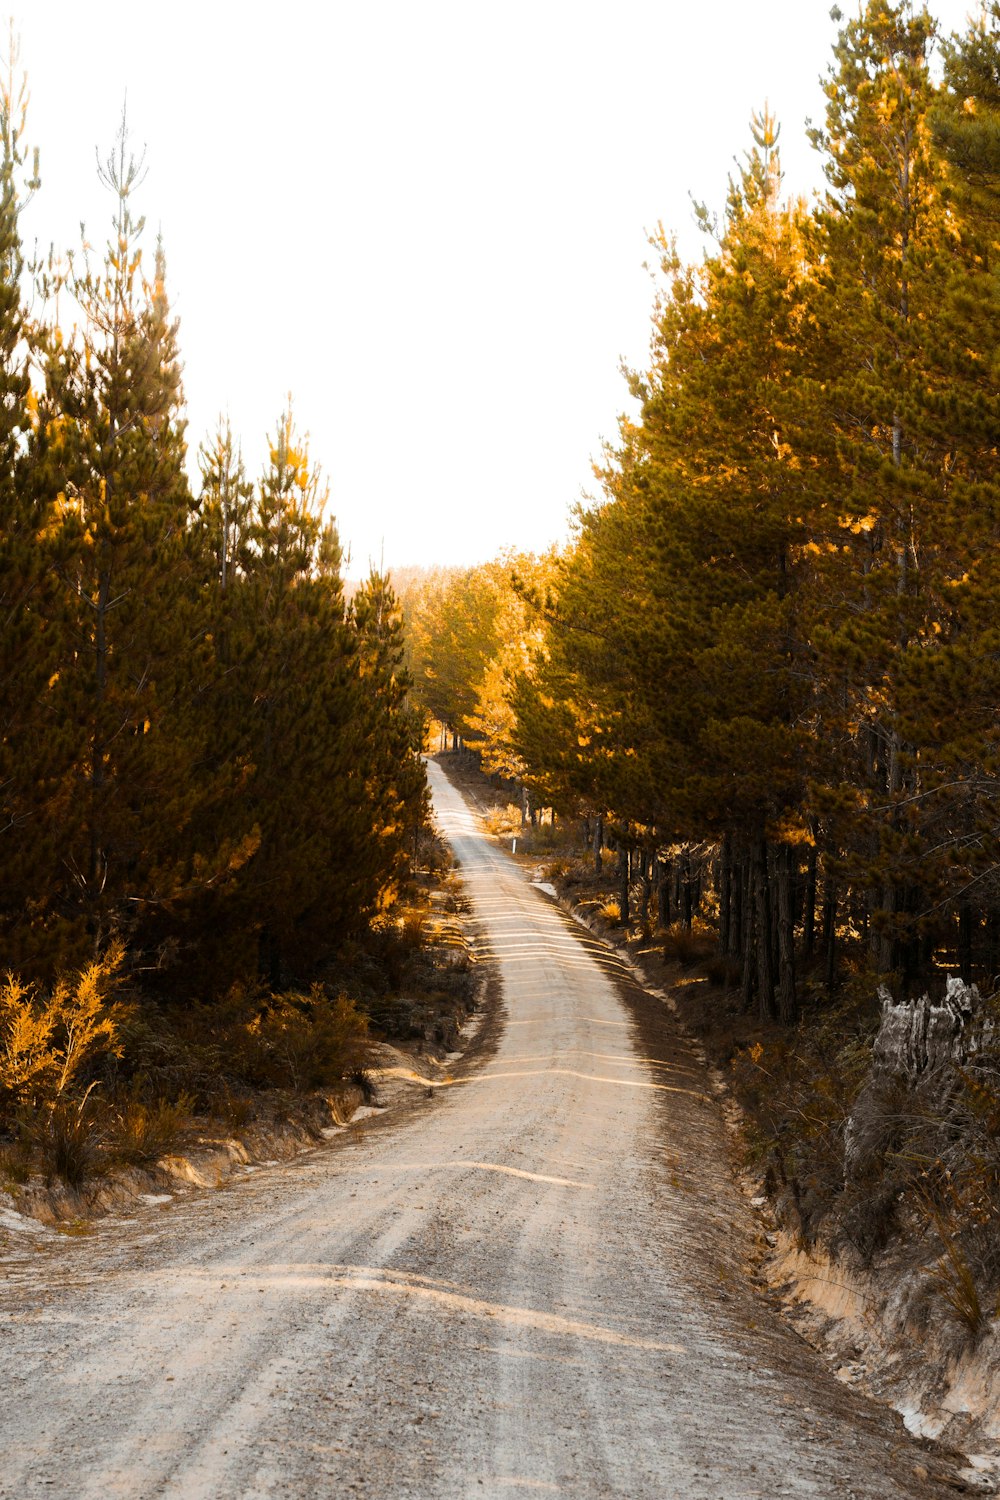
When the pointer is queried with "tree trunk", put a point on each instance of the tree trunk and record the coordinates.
(269, 959)
(992, 928)
(965, 942)
(663, 894)
(762, 909)
(686, 912)
(725, 893)
(749, 945)
(787, 999)
(884, 934)
(598, 845)
(830, 933)
(737, 880)
(809, 905)
(96, 872)
(623, 884)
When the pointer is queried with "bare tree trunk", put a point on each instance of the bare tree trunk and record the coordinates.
(749, 940)
(598, 845)
(884, 936)
(95, 874)
(809, 905)
(762, 906)
(787, 999)
(686, 912)
(737, 881)
(965, 929)
(830, 932)
(623, 883)
(725, 893)
(663, 893)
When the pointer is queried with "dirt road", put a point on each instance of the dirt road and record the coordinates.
(533, 1281)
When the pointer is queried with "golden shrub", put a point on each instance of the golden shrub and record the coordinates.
(47, 1040)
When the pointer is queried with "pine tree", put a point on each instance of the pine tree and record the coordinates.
(880, 481)
(707, 502)
(397, 783)
(107, 457)
(32, 757)
(219, 525)
(290, 728)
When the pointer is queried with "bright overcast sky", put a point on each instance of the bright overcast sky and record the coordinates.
(424, 218)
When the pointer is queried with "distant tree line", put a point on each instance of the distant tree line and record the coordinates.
(774, 645)
(206, 755)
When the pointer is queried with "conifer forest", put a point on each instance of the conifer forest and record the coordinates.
(769, 658)
(210, 775)
(762, 682)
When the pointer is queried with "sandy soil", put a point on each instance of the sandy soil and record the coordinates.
(534, 1278)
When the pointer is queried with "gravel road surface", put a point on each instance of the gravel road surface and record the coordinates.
(532, 1280)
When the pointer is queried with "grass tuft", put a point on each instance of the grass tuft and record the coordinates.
(687, 945)
(140, 1133)
(67, 1142)
(955, 1282)
(364, 1079)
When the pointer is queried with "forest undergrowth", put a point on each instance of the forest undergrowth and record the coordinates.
(97, 1078)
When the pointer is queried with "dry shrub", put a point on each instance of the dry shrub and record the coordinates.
(48, 1041)
(873, 1162)
(543, 837)
(687, 945)
(955, 1282)
(139, 1133)
(237, 1109)
(217, 1056)
(503, 822)
(796, 1090)
(15, 1165)
(610, 911)
(364, 1079)
(723, 971)
(411, 929)
(304, 1041)
(66, 1141)
(50, 1044)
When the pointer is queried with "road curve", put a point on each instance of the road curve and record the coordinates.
(534, 1281)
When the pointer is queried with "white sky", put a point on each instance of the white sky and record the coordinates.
(426, 220)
